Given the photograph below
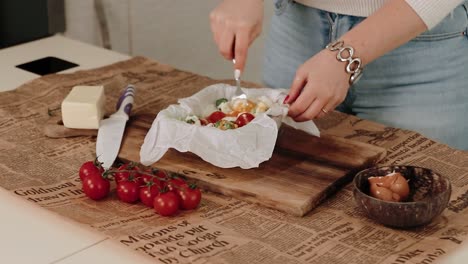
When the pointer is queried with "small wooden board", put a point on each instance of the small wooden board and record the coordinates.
(303, 171)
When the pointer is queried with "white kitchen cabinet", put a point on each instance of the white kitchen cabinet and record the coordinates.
(172, 32)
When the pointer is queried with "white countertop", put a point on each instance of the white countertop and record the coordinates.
(66, 242)
(31, 234)
(85, 55)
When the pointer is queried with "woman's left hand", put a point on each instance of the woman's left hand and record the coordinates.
(319, 86)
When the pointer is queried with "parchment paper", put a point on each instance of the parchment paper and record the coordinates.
(244, 147)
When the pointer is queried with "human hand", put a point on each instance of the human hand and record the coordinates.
(235, 25)
(319, 86)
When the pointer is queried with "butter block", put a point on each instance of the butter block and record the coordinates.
(83, 107)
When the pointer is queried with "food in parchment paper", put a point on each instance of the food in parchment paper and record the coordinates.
(232, 114)
(392, 187)
(154, 188)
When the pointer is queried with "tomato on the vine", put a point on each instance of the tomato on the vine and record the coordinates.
(155, 188)
(95, 186)
(176, 183)
(90, 167)
(166, 204)
(148, 176)
(148, 193)
(244, 118)
(162, 175)
(128, 171)
(153, 175)
(128, 191)
(190, 197)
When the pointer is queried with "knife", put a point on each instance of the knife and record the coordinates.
(111, 130)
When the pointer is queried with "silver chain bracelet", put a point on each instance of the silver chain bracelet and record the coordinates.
(354, 64)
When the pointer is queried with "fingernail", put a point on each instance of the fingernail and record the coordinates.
(237, 74)
(286, 99)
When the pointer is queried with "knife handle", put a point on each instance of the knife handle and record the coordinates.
(125, 102)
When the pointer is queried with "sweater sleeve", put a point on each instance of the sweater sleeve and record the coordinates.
(433, 11)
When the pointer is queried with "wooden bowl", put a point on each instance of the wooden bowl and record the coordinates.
(429, 196)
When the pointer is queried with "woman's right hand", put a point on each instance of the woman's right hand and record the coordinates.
(235, 25)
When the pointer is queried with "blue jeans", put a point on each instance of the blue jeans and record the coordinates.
(421, 86)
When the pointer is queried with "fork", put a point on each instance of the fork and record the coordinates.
(239, 93)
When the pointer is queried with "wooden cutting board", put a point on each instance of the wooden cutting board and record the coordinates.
(303, 171)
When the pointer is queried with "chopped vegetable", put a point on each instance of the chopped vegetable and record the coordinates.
(242, 105)
(244, 118)
(215, 116)
(225, 125)
(230, 118)
(192, 119)
(220, 101)
(231, 114)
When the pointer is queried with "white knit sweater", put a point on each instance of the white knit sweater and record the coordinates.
(430, 11)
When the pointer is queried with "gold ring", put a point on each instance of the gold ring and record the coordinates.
(324, 111)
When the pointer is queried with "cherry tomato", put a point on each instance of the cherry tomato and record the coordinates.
(204, 122)
(128, 172)
(95, 186)
(189, 197)
(153, 174)
(148, 176)
(148, 193)
(128, 191)
(244, 118)
(90, 167)
(162, 175)
(166, 204)
(216, 116)
(176, 183)
(153, 177)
